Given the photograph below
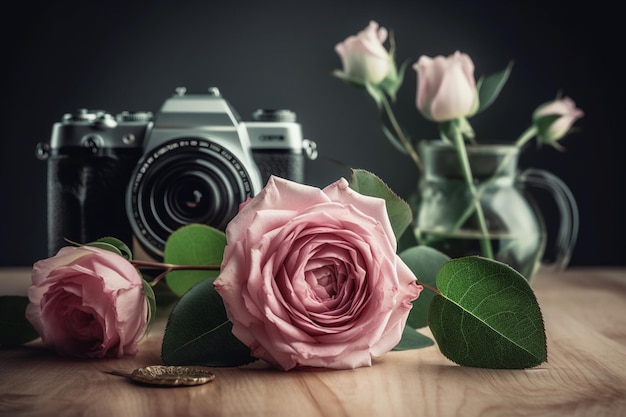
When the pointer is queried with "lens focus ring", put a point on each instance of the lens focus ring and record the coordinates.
(184, 181)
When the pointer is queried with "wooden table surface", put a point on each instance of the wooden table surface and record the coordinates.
(585, 316)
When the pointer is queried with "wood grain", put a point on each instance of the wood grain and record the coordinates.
(584, 312)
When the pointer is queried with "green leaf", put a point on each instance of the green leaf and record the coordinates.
(487, 316)
(376, 93)
(198, 332)
(412, 339)
(151, 300)
(391, 137)
(15, 329)
(193, 244)
(543, 124)
(407, 240)
(425, 263)
(349, 80)
(489, 87)
(120, 246)
(393, 81)
(399, 212)
(111, 244)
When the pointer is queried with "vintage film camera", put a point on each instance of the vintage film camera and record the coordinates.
(141, 176)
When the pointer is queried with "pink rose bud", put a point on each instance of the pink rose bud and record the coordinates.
(446, 88)
(88, 302)
(310, 277)
(364, 57)
(565, 108)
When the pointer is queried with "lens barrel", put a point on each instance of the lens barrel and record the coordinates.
(185, 180)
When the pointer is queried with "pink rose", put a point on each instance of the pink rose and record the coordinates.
(566, 109)
(310, 277)
(364, 57)
(446, 88)
(88, 302)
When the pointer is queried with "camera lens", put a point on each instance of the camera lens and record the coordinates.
(184, 181)
(191, 198)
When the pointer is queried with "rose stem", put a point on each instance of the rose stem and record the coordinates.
(405, 142)
(430, 287)
(172, 267)
(467, 172)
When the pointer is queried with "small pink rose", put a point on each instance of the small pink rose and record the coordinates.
(364, 57)
(446, 88)
(310, 277)
(88, 302)
(568, 113)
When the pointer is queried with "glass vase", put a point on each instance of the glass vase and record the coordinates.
(513, 229)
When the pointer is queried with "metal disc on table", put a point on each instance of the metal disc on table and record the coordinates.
(168, 375)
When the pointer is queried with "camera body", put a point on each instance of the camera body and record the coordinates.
(139, 177)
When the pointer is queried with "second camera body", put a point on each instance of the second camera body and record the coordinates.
(144, 176)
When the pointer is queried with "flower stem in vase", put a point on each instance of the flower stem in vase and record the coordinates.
(528, 134)
(485, 243)
(406, 143)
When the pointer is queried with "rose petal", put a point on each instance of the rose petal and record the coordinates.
(317, 284)
(88, 302)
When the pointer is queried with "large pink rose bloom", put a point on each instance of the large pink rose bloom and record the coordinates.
(88, 302)
(310, 277)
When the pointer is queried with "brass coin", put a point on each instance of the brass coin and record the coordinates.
(168, 375)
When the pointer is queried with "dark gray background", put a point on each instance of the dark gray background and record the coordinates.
(118, 55)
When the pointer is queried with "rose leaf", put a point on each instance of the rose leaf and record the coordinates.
(425, 262)
(394, 79)
(193, 244)
(111, 244)
(151, 301)
(391, 136)
(15, 329)
(412, 339)
(398, 210)
(349, 80)
(487, 316)
(544, 123)
(376, 93)
(489, 87)
(198, 331)
(120, 246)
